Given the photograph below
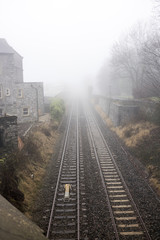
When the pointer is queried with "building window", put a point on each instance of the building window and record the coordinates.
(25, 111)
(1, 93)
(20, 94)
(8, 92)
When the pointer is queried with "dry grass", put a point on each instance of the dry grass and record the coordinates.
(104, 116)
(36, 155)
(132, 134)
(30, 185)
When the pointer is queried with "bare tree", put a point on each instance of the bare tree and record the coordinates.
(126, 59)
(135, 60)
(151, 61)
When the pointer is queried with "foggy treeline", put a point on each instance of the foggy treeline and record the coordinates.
(133, 68)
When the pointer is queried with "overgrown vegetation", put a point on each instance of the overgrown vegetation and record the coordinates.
(57, 109)
(37, 153)
(132, 134)
(142, 140)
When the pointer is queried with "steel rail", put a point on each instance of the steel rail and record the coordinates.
(103, 182)
(78, 194)
(123, 181)
(59, 174)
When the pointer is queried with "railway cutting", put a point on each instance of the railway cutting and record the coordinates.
(92, 198)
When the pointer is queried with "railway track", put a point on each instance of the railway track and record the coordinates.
(126, 220)
(68, 205)
(70, 213)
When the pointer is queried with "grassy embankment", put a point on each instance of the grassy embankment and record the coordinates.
(40, 147)
(142, 139)
(35, 158)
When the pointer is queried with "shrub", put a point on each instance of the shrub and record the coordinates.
(57, 109)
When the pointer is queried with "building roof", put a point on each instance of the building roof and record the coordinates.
(5, 48)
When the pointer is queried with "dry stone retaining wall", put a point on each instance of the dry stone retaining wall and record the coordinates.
(8, 132)
(122, 112)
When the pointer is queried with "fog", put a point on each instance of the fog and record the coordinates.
(65, 42)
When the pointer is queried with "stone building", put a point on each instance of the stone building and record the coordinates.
(18, 98)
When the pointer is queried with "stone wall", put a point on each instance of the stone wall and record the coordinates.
(6, 82)
(18, 66)
(122, 112)
(149, 110)
(11, 70)
(32, 98)
(8, 132)
(38, 88)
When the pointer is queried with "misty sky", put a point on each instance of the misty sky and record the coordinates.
(66, 41)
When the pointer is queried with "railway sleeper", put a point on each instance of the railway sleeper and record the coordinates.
(130, 232)
(64, 223)
(68, 175)
(62, 200)
(65, 232)
(65, 210)
(63, 229)
(66, 204)
(73, 186)
(133, 234)
(127, 207)
(68, 178)
(65, 217)
(69, 170)
(69, 224)
(68, 181)
(62, 194)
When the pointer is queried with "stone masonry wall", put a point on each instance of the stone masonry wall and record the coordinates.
(32, 98)
(10, 73)
(119, 112)
(6, 78)
(8, 126)
(122, 112)
(28, 100)
(38, 88)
